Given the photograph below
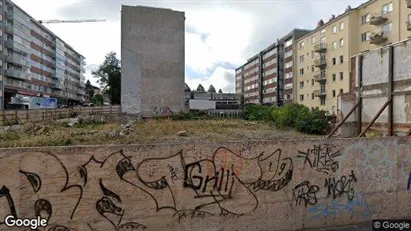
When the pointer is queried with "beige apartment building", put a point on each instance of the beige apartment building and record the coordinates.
(322, 57)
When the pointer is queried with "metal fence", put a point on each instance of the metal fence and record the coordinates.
(225, 113)
(10, 117)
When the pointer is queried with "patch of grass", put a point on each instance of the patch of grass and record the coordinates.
(9, 136)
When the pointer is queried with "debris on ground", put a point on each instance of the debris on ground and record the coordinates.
(123, 130)
(182, 133)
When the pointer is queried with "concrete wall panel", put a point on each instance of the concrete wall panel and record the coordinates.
(375, 67)
(402, 61)
(267, 185)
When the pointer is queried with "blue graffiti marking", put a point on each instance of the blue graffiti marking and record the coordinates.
(336, 208)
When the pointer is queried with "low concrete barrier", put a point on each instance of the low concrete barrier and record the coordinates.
(273, 185)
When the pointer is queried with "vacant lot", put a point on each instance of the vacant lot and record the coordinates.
(152, 131)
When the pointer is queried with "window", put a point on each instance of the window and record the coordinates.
(312, 68)
(334, 29)
(341, 42)
(334, 61)
(334, 77)
(365, 18)
(312, 95)
(333, 109)
(301, 58)
(341, 26)
(312, 53)
(341, 75)
(387, 28)
(341, 91)
(323, 40)
(302, 71)
(288, 43)
(312, 82)
(302, 45)
(341, 59)
(301, 84)
(333, 93)
(322, 101)
(365, 37)
(312, 40)
(334, 45)
(301, 97)
(387, 8)
(323, 31)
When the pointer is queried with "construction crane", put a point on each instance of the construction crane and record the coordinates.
(72, 21)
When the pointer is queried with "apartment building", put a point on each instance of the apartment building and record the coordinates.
(323, 56)
(35, 62)
(267, 78)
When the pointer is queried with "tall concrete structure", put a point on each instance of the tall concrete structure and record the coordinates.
(35, 62)
(323, 55)
(153, 61)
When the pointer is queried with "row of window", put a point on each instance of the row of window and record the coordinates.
(270, 72)
(270, 53)
(288, 65)
(288, 43)
(269, 99)
(252, 94)
(253, 86)
(288, 54)
(288, 86)
(334, 94)
(269, 81)
(251, 64)
(288, 75)
(334, 78)
(271, 62)
(269, 90)
(251, 72)
(250, 80)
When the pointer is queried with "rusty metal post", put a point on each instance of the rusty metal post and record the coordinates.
(344, 119)
(390, 90)
(359, 100)
(376, 117)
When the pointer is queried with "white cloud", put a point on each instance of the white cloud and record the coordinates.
(221, 78)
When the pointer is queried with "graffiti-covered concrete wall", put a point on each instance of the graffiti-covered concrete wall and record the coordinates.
(284, 185)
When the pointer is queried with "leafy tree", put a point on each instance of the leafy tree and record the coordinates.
(211, 89)
(220, 91)
(109, 77)
(89, 89)
(98, 100)
(200, 88)
(187, 88)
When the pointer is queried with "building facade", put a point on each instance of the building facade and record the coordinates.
(267, 78)
(153, 60)
(35, 62)
(323, 56)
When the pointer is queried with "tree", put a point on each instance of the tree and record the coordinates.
(220, 91)
(98, 100)
(187, 88)
(109, 77)
(200, 88)
(211, 89)
(89, 90)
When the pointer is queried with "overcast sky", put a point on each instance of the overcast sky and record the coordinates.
(220, 35)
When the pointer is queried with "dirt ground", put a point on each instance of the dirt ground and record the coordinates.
(57, 133)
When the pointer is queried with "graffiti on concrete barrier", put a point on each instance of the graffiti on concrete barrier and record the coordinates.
(409, 182)
(165, 111)
(305, 194)
(321, 158)
(356, 207)
(6, 202)
(214, 181)
(339, 187)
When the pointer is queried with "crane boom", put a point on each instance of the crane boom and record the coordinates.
(72, 21)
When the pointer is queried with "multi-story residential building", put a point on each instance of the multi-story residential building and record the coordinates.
(267, 78)
(35, 62)
(323, 56)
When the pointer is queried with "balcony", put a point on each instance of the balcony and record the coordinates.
(9, 15)
(320, 47)
(378, 38)
(57, 85)
(17, 60)
(378, 19)
(320, 77)
(321, 62)
(409, 25)
(408, 2)
(319, 93)
(16, 46)
(18, 74)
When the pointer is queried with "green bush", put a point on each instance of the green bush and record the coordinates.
(312, 122)
(286, 116)
(257, 112)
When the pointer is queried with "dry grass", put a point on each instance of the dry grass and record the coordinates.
(152, 131)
